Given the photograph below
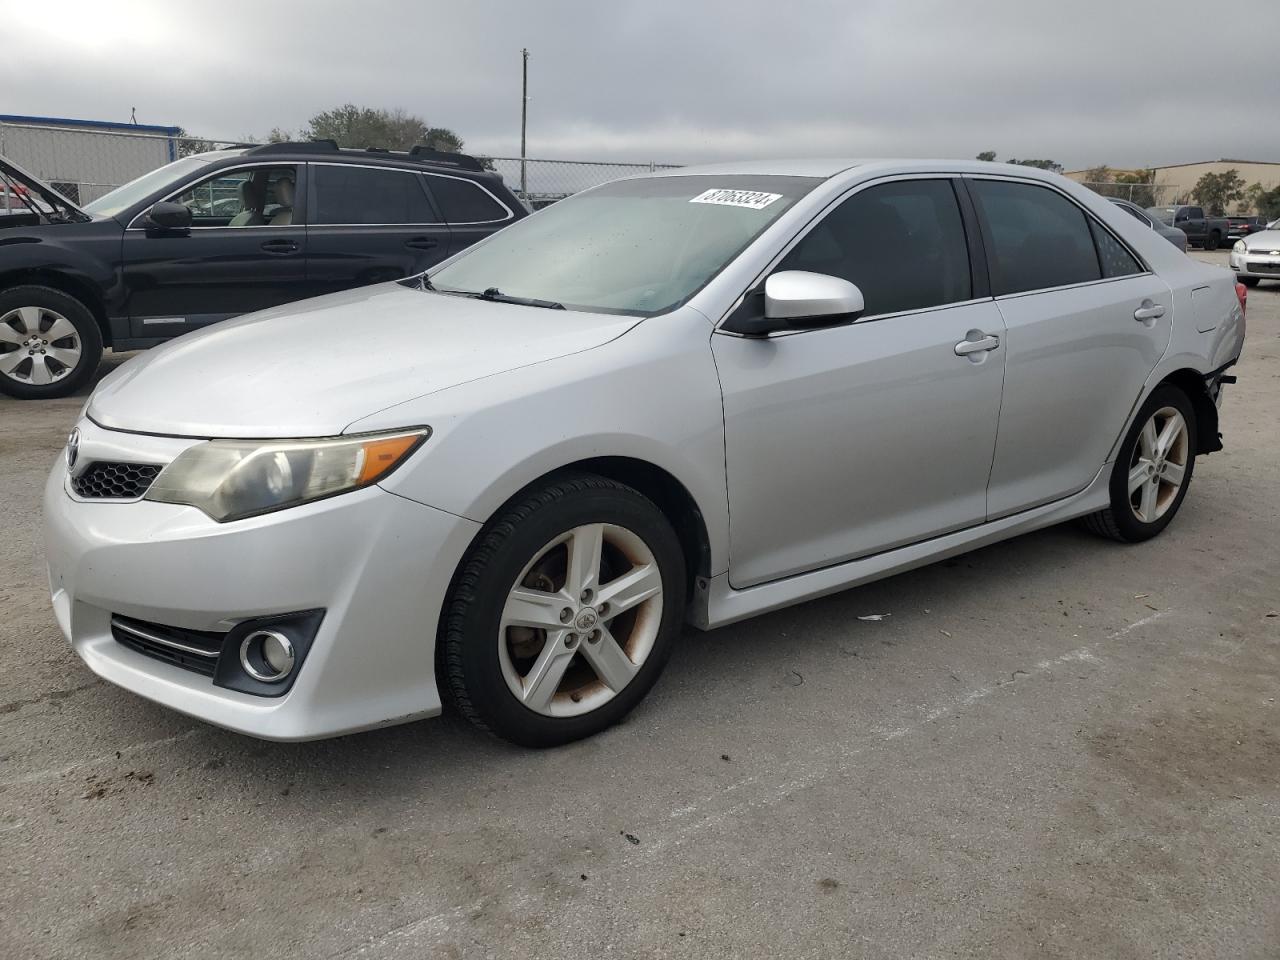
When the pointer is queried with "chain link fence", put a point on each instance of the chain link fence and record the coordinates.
(1142, 194)
(84, 161)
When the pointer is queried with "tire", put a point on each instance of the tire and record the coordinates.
(1211, 242)
(499, 674)
(1248, 281)
(50, 343)
(1132, 517)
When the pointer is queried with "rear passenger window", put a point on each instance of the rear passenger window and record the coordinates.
(1115, 258)
(1039, 239)
(369, 195)
(902, 243)
(461, 201)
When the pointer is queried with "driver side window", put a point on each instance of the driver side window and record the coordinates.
(902, 243)
(249, 197)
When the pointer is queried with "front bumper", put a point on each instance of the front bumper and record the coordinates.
(1252, 264)
(378, 564)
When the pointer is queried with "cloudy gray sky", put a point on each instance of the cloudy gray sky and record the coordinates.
(1124, 82)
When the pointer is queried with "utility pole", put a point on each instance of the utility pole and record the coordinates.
(524, 119)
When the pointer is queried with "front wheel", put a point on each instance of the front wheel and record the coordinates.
(1153, 470)
(564, 612)
(50, 343)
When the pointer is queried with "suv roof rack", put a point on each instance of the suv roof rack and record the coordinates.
(462, 161)
(296, 146)
(421, 152)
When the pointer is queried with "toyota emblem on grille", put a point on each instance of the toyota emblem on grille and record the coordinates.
(73, 448)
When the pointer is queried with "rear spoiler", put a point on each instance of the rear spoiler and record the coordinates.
(11, 173)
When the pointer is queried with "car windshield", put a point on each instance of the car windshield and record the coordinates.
(638, 247)
(124, 197)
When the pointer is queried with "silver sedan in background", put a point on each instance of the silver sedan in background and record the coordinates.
(521, 485)
(1257, 257)
(1172, 234)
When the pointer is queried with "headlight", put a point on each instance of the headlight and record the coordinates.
(1239, 247)
(231, 479)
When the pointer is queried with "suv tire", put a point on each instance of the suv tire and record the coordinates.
(50, 343)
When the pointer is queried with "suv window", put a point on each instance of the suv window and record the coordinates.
(1193, 213)
(462, 201)
(1038, 238)
(349, 194)
(248, 197)
(1140, 217)
(902, 243)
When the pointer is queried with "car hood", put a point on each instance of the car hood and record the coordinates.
(1262, 240)
(312, 368)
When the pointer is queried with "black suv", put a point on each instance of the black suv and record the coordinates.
(215, 235)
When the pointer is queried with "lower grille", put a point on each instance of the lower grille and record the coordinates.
(195, 650)
(1254, 266)
(105, 480)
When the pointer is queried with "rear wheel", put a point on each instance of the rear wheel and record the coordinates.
(1153, 470)
(564, 613)
(1211, 242)
(50, 343)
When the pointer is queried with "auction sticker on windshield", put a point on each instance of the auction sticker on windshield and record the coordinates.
(752, 199)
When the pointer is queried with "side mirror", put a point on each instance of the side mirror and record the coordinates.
(168, 217)
(796, 300)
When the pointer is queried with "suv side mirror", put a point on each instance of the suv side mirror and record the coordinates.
(168, 217)
(796, 300)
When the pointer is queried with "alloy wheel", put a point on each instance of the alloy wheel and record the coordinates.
(38, 346)
(580, 620)
(1158, 465)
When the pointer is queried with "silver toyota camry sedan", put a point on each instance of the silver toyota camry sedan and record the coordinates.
(691, 397)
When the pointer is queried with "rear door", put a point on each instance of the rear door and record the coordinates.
(471, 211)
(1086, 323)
(245, 251)
(368, 224)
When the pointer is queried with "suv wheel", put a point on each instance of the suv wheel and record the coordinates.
(1153, 470)
(50, 343)
(1211, 242)
(563, 614)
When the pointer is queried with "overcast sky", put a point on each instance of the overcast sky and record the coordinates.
(1124, 82)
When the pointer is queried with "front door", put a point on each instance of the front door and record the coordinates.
(845, 441)
(246, 250)
(1086, 324)
(369, 224)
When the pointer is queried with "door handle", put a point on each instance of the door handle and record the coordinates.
(279, 247)
(983, 343)
(1148, 311)
(422, 243)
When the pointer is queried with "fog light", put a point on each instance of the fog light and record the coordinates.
(267, 655)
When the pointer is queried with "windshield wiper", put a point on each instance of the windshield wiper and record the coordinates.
(497, 296)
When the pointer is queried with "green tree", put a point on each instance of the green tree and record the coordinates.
(1215, 191)
(988, 155)
(187, 144)
(353, 126)
(1266, 202)
(1138, 186)
(1040, 164)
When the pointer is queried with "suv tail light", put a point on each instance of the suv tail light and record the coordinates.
(1242, 294)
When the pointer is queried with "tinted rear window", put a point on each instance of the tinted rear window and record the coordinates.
(1039, 238)
(368, 195)
(461, 201)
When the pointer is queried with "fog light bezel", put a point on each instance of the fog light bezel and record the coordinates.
(298, 630)
(253, 656)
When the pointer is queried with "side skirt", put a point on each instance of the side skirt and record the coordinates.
(717, 604)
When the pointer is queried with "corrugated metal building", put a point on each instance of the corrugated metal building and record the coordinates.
(85, 158)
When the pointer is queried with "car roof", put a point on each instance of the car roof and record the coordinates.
(302, 153)
(825, 168)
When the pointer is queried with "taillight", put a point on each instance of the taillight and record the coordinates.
(1242, 294)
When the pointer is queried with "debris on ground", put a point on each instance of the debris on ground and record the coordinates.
(876, 616)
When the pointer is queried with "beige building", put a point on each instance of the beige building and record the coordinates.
(1177, 181)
